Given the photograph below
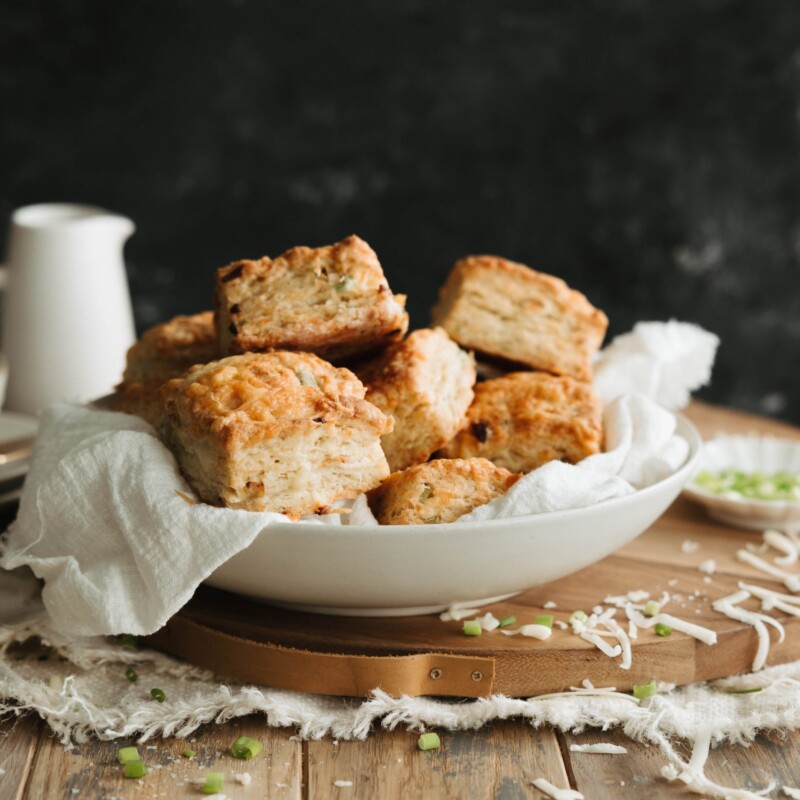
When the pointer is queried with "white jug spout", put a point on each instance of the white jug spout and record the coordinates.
(118, 226)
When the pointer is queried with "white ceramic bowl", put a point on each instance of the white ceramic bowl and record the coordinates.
(417, 569)
(766, 454)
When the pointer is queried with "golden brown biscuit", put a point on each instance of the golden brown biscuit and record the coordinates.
(141, 400)
(525, 419)
(277, 431)
(439, 491)
(509, 311)
(425, 384)
(333, 301)
(168, 350)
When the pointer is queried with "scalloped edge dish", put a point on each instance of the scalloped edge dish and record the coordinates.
(754, 453)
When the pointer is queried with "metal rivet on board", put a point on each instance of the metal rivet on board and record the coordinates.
(435, 674)
(477, 675)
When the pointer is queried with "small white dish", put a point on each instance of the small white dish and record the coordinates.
(401, 570)
(765, 454)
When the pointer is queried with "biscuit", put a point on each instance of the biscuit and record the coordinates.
(525, 419)
(278, 431)
(438, 491)
(141, 400)
(424, 383)
(333, 301)
(168, 350)
(509, 311)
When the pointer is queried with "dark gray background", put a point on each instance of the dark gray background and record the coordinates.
(646, 151)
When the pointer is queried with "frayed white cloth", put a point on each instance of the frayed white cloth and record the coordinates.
(663, 360)
(109, 523)
(88, 694)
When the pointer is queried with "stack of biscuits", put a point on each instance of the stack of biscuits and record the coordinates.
(301, 390)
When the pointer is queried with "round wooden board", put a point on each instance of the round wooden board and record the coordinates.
(254, 642)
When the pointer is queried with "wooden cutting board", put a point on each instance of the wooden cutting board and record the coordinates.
(253, 642)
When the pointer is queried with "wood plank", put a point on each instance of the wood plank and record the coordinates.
(637, 774)
(19, 737)
(92, 770)
(631, 776)
(500, 760)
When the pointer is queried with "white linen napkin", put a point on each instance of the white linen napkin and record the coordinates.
(108, 522)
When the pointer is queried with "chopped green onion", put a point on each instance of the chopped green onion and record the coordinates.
(433, 520)
(755, 485)
(187, 752)
(545, 619)
(134, 769)
(651, 608)
(743, 691)
(426, 493)
(125, 754)
(429, 741)
(306, 378)
(662, 629)
(472, 627)
(131, 675)
(577, 616)
(214, 783)
(345, 284)
(158, 694)
(641, 691)
(245, 747)
(506, 621)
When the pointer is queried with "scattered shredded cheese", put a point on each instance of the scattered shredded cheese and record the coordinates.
(600, 747)
(709, 566)
(785, 544)
(789, 604)
(550, 604)
(343, 784)
(533, 631)
(488, 621)
(705, 635)
(689, 546)
(693, 776)
(730, 608)
(243, 777)
(793, 793)
(790, 581)
(557, 794)
(601, 644)
(607, 692)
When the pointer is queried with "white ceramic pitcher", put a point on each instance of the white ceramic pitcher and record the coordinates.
(67, 318)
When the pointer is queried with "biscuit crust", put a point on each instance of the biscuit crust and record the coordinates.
(525, 419)
(141, 400)
(333, 301)
(438, 491)
(278, 431)
(424, 383)
(169, 349)
(509, 311)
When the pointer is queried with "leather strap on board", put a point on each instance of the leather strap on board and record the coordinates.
(325, 673)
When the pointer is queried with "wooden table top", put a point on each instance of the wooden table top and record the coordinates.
(499, 761)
